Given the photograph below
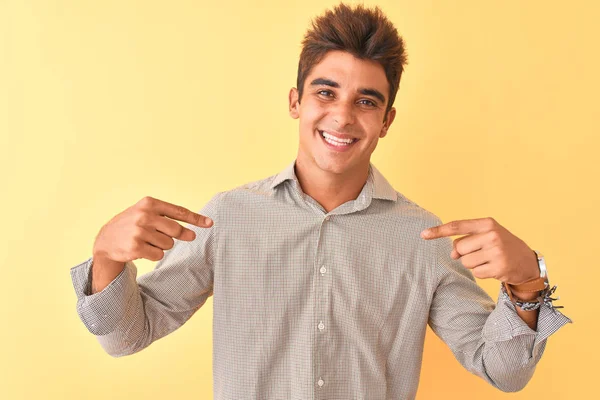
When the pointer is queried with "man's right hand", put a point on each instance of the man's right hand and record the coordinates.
(141, 231)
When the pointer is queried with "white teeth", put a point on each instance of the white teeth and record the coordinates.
(336, 143)
(336, 139)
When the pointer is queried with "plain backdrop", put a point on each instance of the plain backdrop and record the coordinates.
(105, 102)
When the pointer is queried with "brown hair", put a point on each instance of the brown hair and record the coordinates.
(363, 32)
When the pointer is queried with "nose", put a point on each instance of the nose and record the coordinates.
(343, 114)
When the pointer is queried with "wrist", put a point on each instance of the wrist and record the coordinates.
(525, 296)
(530, 295)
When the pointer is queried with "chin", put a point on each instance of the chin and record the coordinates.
(332, 166)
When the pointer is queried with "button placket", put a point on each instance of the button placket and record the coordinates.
(321, 303)
(323, 284)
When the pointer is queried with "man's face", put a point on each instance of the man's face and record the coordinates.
(346, 98)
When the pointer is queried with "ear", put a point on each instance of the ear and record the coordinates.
(390, 118)
(293, 100)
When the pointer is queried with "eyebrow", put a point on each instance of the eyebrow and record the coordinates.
(366, 91)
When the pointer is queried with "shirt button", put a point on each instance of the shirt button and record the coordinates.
(320, 382)
(323, 269)
(321, 325)
(327, 218)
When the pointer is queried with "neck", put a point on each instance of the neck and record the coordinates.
(329, 189)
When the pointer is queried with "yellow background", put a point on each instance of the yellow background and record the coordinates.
(105, 102)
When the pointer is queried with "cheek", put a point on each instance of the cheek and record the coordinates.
(373, 126)
(372, 139)
(311, 113)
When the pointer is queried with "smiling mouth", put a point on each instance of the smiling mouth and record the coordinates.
(335, 141)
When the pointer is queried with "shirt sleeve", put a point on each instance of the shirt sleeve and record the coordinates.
(130, 313)
(489, 339)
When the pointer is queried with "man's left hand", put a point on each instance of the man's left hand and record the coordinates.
(489, 250)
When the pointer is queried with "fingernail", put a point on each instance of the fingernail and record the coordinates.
(207, 221)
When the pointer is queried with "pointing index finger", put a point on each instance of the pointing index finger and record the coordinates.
(457, 227)
(181, 213)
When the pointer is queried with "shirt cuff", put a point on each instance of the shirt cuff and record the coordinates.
(504, 323)
(101, 312)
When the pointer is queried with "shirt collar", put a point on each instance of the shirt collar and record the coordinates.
(381, 187)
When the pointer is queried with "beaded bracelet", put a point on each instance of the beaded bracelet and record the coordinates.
(543, 298)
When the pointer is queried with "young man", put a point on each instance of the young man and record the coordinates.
(322, 279)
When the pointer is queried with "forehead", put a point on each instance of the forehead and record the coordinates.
(350, 72)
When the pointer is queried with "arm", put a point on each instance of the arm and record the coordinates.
(490, 340)
(129, 314)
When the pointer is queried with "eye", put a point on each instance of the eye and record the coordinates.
(369, 103)
(327, 92)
